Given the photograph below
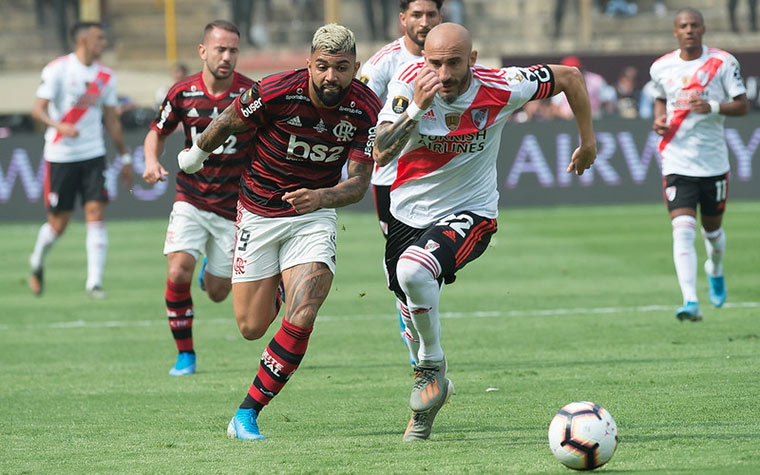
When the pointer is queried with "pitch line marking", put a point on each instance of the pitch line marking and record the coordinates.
(337, 318)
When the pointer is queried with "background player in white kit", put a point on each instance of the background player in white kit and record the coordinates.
(697, 86)
(444, 115)
(76, 98)
(417, 18)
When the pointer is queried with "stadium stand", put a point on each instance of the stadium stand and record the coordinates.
(502, 28)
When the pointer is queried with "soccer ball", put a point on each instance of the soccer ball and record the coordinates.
(583, 435)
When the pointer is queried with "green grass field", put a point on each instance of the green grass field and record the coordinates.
(568, 304)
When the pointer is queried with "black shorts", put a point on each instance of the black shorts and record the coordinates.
(454, 241)
(710, 193)
(64, 181)
(382, 195)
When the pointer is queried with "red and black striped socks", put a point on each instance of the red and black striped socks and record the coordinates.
(179, 309)
(278, 362)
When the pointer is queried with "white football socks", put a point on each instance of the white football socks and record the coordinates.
(97, 245)
(46, 237)
(715, 245)
(417, 271)
(685, 256)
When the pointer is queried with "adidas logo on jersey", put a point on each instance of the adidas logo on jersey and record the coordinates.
(429, 115)
(295, 121)
(192, 112)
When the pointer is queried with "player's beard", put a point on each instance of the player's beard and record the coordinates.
(222, 76)
(460, 84)
(416, 37)
(329, 98)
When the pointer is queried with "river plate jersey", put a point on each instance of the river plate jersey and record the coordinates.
(694, 145)
(449, 163)
(298, 145)
(215, 187)
(80, 92)
(377, 73)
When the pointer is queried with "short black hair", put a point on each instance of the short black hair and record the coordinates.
(82, 26)
(692, 11)
(404, 4)
(222, 24)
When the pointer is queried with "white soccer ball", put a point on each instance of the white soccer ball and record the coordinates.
(583, 435)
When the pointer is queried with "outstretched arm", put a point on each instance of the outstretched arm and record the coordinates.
(348, 191)
(569, 80)
(218, 131)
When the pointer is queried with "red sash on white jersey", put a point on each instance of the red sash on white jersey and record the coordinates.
(76, 112)
(710, 68)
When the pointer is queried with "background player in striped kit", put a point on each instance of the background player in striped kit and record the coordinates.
(202, 218)
(697, 87)
(76, 97)
(308, 122)
(443, 119)
(417, 18)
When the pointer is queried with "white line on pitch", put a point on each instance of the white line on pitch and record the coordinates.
(343, 318)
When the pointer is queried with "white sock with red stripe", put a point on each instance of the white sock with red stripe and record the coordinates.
(715, 245)
(97, 245)
(417, 271)
(411, 337)
(685, 256)
(46, 237)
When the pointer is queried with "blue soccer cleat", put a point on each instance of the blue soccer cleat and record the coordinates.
(689, 311)
(201, 274)
(717, 290)
(185, 364)
(243, 426)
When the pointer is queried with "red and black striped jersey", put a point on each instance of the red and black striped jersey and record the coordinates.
(215, 187)
(298, 145)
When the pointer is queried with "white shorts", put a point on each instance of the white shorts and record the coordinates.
(264, 247)
(197, 232)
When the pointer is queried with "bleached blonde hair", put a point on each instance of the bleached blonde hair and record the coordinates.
(333, 38)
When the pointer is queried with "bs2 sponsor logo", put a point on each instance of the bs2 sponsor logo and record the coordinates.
(300, 150)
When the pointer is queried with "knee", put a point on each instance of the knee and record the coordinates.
(416, 267)
(217, 291)
(217, 296)
(180, 274)
(251, 328)
(684, 227)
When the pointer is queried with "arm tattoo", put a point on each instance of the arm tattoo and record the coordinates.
(391, 138)
(307, 286)
(219, 130)
(351, 189)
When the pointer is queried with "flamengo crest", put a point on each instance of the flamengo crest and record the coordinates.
(344, 131)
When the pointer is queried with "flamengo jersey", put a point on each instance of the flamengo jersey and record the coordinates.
(298, 145)
(449, 163)
(215, 187)
(377, 73)
(66, 84)
(694, 145)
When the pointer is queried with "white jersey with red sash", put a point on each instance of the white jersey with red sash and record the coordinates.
(77, 94)
(694, 145)
(449, 163)
(376, 73)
